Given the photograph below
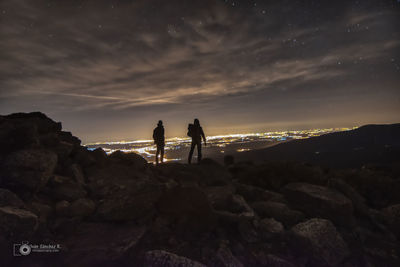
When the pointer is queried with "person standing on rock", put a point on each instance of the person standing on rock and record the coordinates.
(159, 140)
(196, 132)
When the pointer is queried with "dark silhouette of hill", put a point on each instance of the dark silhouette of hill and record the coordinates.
(369, 144)
(119, 210)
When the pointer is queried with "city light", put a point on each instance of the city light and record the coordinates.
(221, 143)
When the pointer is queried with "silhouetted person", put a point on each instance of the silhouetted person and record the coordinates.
(196, 132)
(159, 140)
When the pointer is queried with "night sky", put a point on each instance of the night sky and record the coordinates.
(109, 70)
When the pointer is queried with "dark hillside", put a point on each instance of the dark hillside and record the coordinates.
(370, 144)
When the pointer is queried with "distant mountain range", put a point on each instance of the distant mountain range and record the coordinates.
(369, 144)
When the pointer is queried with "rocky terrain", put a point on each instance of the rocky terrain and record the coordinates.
(118, 210)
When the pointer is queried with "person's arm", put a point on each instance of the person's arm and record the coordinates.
(204, 137)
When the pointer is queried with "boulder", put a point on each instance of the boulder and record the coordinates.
(29, 168)
(132, 159)
(16, 136)
(239, 206)
(320, 240)
(269, 227)
(43, 123)
(101, 244)
(279, 211)
(82, 207)
(253, 193)
(65, 188)
(219, 196)
(225, 258)
(271, 260)
(41, 210)
(161, 258)
(8, 198)
(67, 137)
(135, 202)
(247, 231)
(76, 173)
(189, 205)
(15, 222)
(62, 208)
(392, 218)
(358, 201)
(320, 201)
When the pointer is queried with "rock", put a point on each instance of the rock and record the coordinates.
(320, 201)
(392, 217)
(253, 193)
(275, 261)
(17, 136)
(271, 260)
(278, 211)
(82, 207)
(86, 158)
(161, 258)
(135, 202)
(8, 198)
(270, 227)
(132, 159)
(225, 258)
(211, 173)
(43, 123)
(247, 231)
(77, 174)
(321, 241)
(102, 244)
(239, 206)
(190, 205)
(15, 222)
(65, 188)
(357, 200)
(67, 137)
(63, 150)
(30, 168)
(41, 210)
(62, 208)
(219, 196)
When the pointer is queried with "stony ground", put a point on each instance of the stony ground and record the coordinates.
(118, 210)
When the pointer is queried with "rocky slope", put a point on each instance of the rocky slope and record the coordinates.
(118, 210)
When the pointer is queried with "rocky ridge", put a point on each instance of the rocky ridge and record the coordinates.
(119, 210)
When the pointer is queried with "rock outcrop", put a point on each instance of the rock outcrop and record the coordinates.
(119, 210)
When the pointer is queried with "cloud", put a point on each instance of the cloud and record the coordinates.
(123, 55)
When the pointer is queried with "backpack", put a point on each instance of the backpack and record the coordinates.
(190, 130)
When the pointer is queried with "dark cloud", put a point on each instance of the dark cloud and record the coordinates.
(109, 69)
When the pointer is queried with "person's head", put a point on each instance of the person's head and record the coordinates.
(196, 122)
(159, 123)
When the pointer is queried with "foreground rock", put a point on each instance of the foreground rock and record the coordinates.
(8, 198)
(279, 211)
(321, 241)
(392, 216)
(16, 223)
(160, 258)
(29, 168)
(118, 210)
(320, 201)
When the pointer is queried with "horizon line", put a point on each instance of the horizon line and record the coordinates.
(211, 137)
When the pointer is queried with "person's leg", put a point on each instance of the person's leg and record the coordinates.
(158, 152)
(199, 152)
(191, 152)
(162, 154)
